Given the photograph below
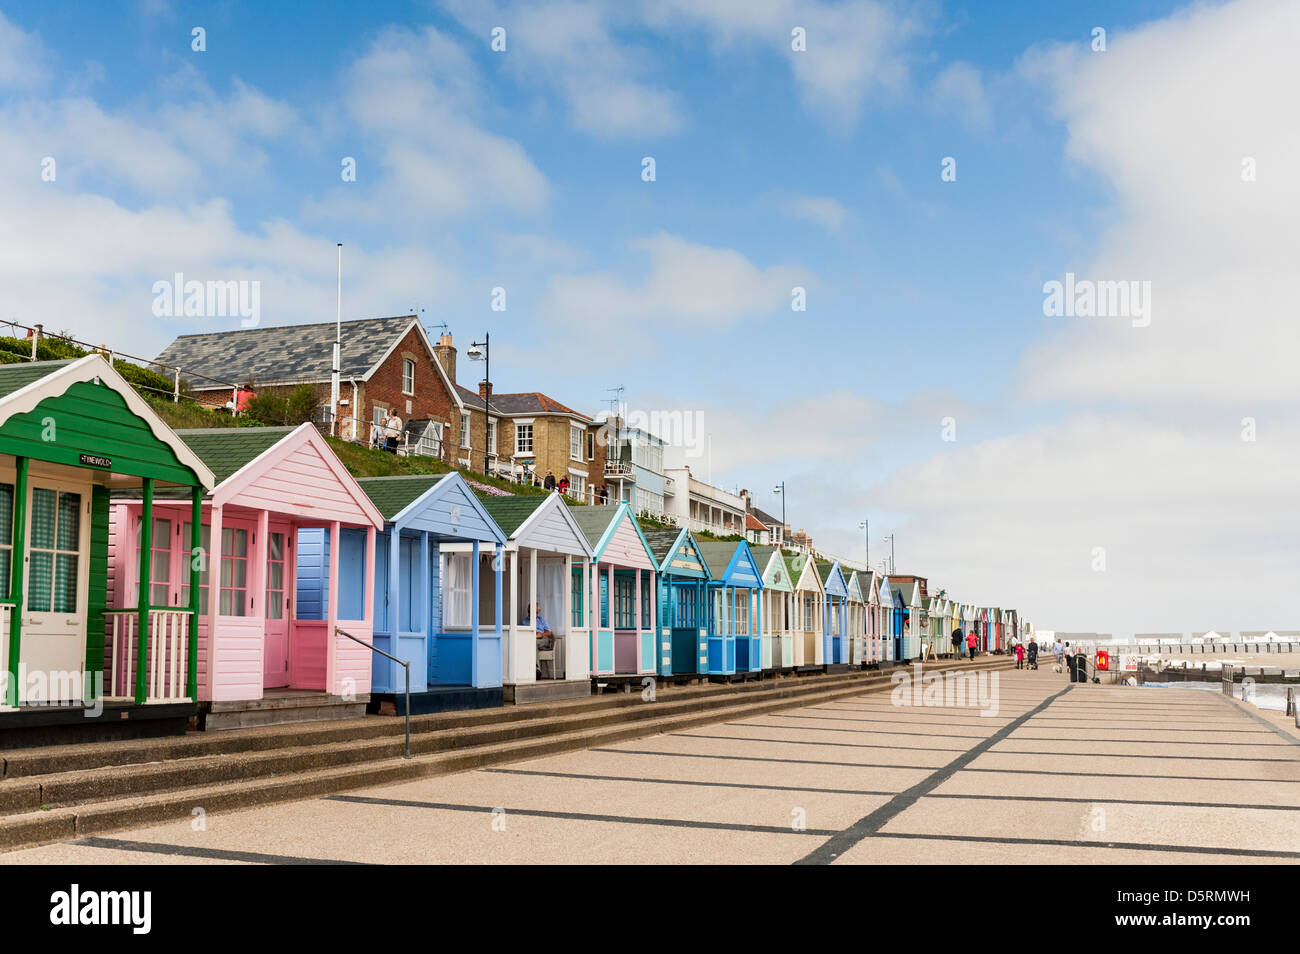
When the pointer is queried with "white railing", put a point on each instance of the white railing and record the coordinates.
(168, 664)
(618, 468)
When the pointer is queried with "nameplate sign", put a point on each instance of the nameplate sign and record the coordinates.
(94, 460)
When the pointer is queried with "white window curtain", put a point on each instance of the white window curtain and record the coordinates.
(456, 606)
(550, 594)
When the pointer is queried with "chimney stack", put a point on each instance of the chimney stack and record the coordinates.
(446, 355)
(483, 388)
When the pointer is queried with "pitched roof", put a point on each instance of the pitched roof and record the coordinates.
(594, 521)
(226, 449)
(767, 519)
(718, 554)
(511, 512)
(661, 542)
(527, 402)
(22, 373)
(285, 353)
(753, 523)
(392, 495)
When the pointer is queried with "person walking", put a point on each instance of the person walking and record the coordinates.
(957, 641)
(1033, 654)
(1020, 656)
(971, 642)
(1058, 653)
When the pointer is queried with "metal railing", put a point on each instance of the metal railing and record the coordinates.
(405, 664)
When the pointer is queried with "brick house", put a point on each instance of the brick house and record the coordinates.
(524, 434)
(386, 364)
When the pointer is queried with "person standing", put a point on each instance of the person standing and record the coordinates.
(549, 482)
(1033, 653)
(392, 430)
(971, 641)
(1058, 653)
(1020, 656)
(957, 641)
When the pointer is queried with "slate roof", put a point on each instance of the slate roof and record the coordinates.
(288, 353)
(767, 519)
(18, 375)
(594, 521)
(511, 512)
(528, 402)
(392, 495)
(661, 542)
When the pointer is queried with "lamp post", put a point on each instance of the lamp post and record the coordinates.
(890, 538)
(485, 355)
(779, 490)
(865, 527)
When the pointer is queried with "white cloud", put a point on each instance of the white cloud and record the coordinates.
(575, 47)
(686, 284)
(855, 49)
(21, 57)
(1166, 117)
(821, 211)
(958, 91)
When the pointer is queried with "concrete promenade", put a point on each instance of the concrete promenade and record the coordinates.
(1081, 774)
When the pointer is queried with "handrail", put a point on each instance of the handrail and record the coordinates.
(405, 664)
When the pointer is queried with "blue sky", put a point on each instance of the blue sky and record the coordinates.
(775, 168)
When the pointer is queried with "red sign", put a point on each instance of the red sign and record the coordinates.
(1103, 659)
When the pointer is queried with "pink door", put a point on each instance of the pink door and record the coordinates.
(275, 665)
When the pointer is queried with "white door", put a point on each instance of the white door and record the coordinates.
(53, 647)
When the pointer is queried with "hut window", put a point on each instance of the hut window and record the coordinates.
(576, 594)
(160, 570)
(205, 545)
(623, 603)
(234, 572)
(645, 601)
(686, 615)
(742, 612)
(457, 611)
(55, 551)
(6, 533)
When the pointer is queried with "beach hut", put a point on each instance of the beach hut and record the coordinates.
(735, 610)
(71, 432)
(438, 594)
(875, 618)
(284, 511)
(835, 642)
(777, 613)
(809, 598)
(685, 644)
(896, 606)
(622, 594)
(547, 567)
(857, 617)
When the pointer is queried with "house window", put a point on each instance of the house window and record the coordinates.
(492, 436)
(591, 446)
(464, 429)
(523, 438)
(408, 376)
(575, 441)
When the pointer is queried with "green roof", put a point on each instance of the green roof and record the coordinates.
(227, 449)
(14, 377)
(594, 521)
(511, 512)
(392, 495)
(718, 554)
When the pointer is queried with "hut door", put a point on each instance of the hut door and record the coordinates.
(53, 646)
(275, 661)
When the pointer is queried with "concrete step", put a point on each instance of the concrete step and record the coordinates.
(84, 784)
(59, 758)
(363, 764)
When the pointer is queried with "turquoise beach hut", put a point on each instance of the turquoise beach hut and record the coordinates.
(735, 607)
(683, 620)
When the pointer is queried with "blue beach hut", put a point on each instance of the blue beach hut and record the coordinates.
(433, 603)
(735, 609)
(835, 640)
(682, 599)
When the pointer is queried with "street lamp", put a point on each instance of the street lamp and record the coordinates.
(865, 527)
(779, 490)
(485, 355)
(890, 538)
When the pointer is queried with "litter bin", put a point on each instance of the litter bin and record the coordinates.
(1079, 668)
